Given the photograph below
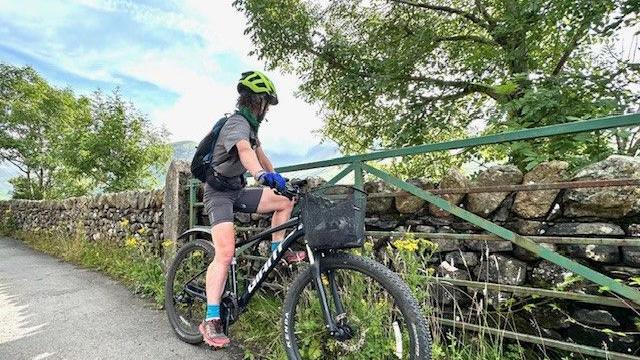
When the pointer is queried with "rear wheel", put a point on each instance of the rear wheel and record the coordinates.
(380, 318)
(185, 298)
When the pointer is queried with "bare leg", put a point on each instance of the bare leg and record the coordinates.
(224, 244)
(281, 207)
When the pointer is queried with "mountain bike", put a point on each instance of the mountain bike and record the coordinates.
(341, 305)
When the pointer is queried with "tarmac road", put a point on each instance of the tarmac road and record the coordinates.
(53, 310)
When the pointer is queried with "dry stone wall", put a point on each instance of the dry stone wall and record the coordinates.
(110, 217)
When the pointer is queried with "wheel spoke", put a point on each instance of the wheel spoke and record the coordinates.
(185, 287)
(367, 315)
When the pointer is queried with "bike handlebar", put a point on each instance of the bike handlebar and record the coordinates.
(292, 189)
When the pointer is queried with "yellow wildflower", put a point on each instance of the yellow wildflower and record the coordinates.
(410, 245)
(131, 243)
(167, 244)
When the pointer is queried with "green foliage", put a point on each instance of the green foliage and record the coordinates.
(33, 120)
(65, 145)
(258, 329)
(394, 73)
(454, 348)
(120, 150)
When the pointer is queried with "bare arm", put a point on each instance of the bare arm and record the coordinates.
(248, 157)
(264, 160)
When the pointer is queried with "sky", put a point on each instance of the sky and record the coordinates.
(177, 61)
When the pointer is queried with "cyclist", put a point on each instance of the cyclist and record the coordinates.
(238, 150)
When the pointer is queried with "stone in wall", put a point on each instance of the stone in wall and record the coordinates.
(550, 317)
(484, 204)
(607, 254)
(595, 317)
(452, 179)
(315, 182)
(407, 203)
(446, 294)
(631, 255)
(460, 259)
(383, 224)
(526, 227)
(435, 221)
(446, 245)
(502, 270)
(488, 246)
(606, 202)
(425, 229)
(378, 205)
(549, 275)
(536, 204)
(633, 230)
(628, 344)
(176, 212)
(504, 210)
(525, 255)
(585, 229)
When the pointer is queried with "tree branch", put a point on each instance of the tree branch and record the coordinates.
(16, 164)
(573, 44)
(485, 14)
(474, 38)
(461, 84)
(448, 97)
(633, 144)
(447, 9)
(620, 143)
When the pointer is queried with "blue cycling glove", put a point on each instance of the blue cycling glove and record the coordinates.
(272, 180)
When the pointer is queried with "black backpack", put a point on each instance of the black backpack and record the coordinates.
(204, 154)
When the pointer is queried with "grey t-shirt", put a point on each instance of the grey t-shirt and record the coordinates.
(225, 153)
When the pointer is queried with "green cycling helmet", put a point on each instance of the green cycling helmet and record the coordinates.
(258, 83)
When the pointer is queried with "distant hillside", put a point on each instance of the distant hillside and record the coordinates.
(7, 171)
(184, 150)
(317, 152)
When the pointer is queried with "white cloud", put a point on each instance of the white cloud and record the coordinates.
(191, 67)
(203, 99)
(192, 73)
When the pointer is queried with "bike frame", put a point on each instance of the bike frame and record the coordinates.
(270, 264)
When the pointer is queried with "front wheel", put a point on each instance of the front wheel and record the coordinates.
(374, 310)
(185, 298)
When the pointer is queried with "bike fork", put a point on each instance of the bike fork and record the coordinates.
(317, 275)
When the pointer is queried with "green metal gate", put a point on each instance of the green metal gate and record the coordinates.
(626, 296)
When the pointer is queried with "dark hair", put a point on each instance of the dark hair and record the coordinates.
(251, 101)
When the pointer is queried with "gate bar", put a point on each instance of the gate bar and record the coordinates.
(526, 134)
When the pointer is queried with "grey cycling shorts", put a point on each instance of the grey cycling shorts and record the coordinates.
(220, 205)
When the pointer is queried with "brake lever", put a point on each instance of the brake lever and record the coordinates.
(290, 194)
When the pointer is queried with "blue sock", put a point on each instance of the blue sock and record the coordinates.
(274, 245)
(213, 312)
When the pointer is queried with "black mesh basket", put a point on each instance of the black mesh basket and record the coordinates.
(333, 217)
